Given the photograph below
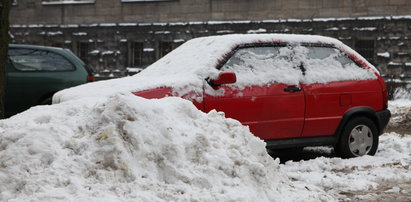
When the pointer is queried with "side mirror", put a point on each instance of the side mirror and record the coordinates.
(224, 78)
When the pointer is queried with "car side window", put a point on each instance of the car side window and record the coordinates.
(327, 64)
(323, 53)
(263, 65)
(38, 60)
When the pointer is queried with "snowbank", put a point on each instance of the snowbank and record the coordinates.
(186, 68)
(126, 148)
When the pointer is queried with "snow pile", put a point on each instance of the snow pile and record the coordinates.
(388, 171)
(186, 68)
(126, 148)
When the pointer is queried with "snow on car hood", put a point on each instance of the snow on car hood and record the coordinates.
(127, 148)
(185, 68)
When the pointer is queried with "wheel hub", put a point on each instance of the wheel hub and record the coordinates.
(360, 140)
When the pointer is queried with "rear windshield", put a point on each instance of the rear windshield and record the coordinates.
(38, 60)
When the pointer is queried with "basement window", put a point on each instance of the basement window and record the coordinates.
(140, 56)
(136, 54)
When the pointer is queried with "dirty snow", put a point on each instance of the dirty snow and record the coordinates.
(402, 93)
(400, 114)
(186, 68)
(126, 148)
(362, 177)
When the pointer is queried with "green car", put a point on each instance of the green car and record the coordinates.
(35, 73)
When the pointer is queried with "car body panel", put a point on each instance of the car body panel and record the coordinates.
(269, 111)
(327, 103)
(155, 93)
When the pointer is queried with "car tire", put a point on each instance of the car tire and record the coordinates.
(359, 137)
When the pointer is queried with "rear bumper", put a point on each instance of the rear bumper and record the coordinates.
(383, 117)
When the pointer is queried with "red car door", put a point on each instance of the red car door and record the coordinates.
(271, 108)
(333, 84)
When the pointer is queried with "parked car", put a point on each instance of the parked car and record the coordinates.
(35, 73)
(291, 90)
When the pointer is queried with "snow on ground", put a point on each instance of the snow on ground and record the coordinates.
(402, 93)
(400, 115)
(383, 177)
(360, 178)
(126, 148)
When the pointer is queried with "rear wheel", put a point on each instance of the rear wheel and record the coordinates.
(359, 137)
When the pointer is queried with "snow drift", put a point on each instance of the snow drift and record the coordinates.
(126, 148)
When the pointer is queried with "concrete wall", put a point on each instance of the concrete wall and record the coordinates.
(115, 11)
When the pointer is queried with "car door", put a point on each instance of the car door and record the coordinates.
(333, 84)
(266, 96)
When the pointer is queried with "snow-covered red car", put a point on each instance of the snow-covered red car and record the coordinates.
(291, 90)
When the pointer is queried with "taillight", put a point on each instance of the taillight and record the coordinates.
(90, 78)
(384, 91)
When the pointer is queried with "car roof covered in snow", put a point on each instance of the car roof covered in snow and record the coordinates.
(207, 51)
(190, 64)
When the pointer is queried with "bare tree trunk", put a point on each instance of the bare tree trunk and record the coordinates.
(4, 44)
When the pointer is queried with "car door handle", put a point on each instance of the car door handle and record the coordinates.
(292, 89)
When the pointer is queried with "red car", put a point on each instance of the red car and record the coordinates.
(291, 90)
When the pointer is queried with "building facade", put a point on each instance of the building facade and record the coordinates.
(147, 11)
(111, 35)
